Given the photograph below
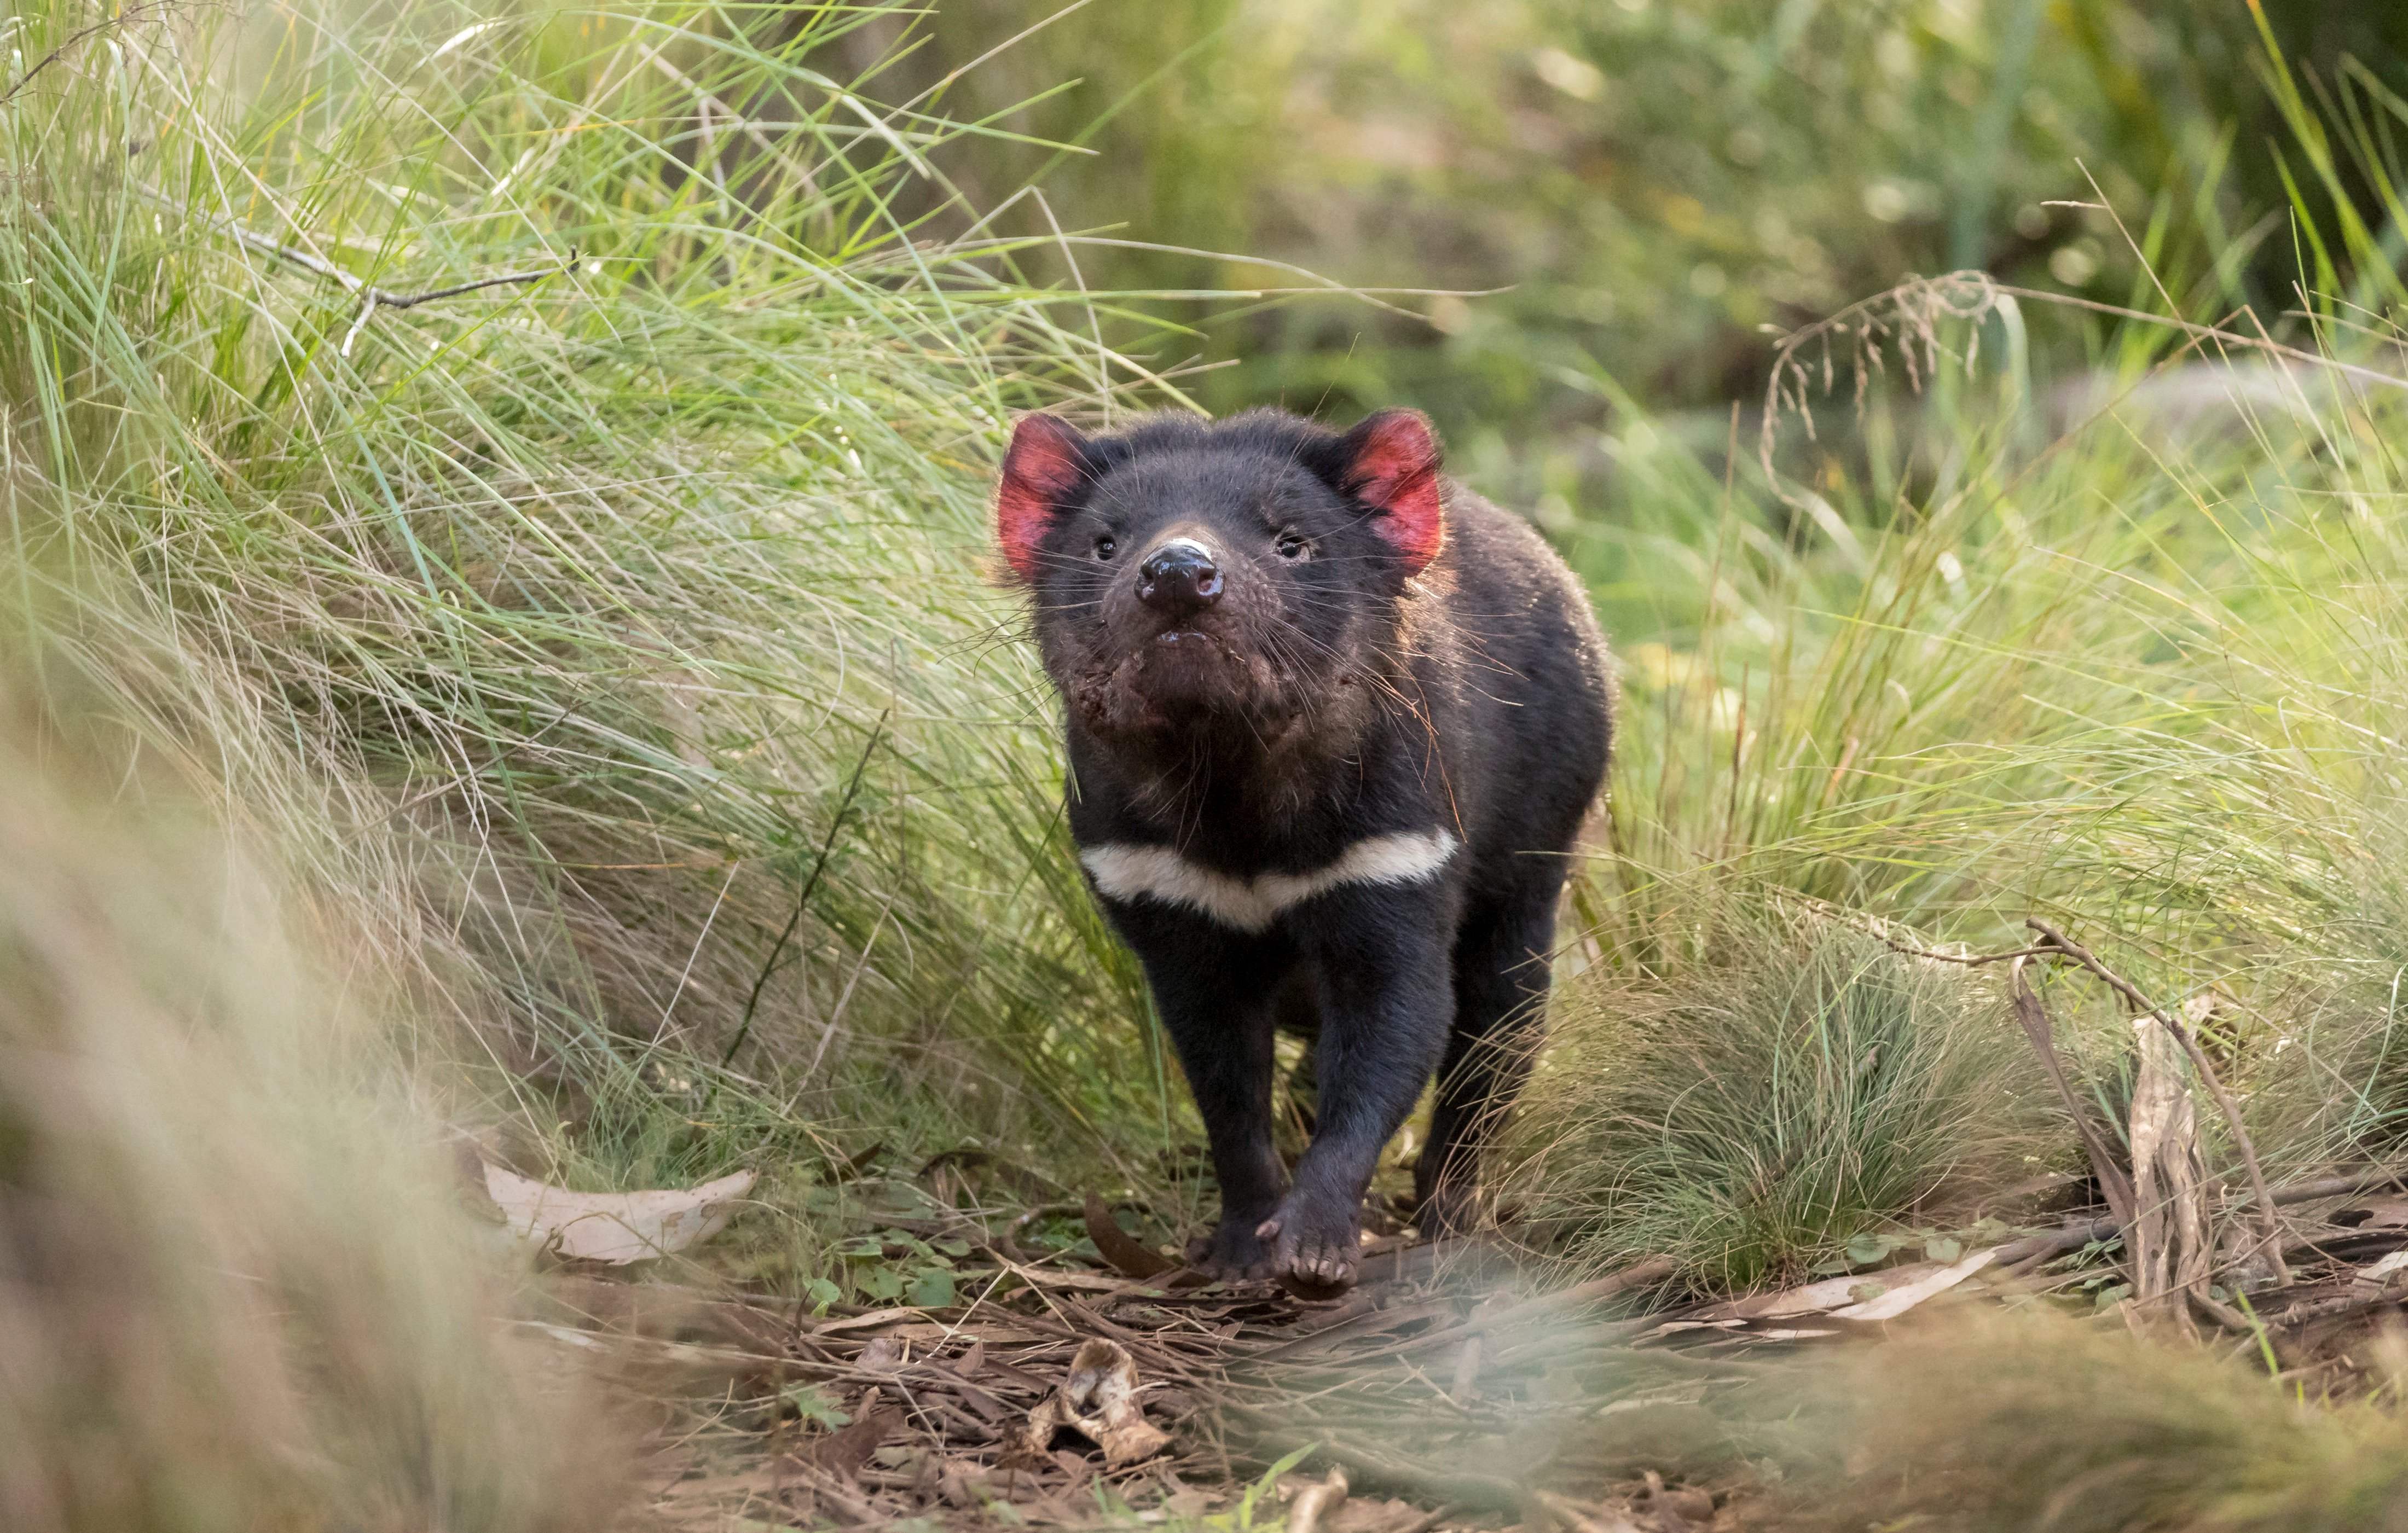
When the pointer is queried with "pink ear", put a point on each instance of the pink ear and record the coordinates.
(1039, 471)
(1391, 463)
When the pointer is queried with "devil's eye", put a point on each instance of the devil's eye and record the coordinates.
(1106, 546)
(1290, 546)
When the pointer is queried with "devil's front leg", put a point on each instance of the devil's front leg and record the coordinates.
(1380, 961)
(1213, 989)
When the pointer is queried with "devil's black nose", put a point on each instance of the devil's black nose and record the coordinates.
(1179, 578)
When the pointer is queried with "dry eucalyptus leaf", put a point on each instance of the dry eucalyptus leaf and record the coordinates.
(1097, 1399)
(614, 1227)
(2381, 1269)
(1895, 1301)
(2382, 1212)
(846, 1452)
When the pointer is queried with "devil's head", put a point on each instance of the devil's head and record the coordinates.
(1197, 580)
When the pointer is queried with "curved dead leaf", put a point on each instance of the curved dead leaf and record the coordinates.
(1123, 1251)
(614, 1227)
(1097, 1399)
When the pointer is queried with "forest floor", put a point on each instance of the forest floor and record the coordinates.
(1461, 1385)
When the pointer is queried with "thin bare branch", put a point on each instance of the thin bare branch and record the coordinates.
(79, 37)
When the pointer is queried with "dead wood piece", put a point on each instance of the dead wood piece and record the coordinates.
(2169, 1250)
(2242, 1142)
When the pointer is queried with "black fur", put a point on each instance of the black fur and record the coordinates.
(1325, 699)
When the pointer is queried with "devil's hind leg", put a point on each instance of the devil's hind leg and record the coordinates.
(1501, 972)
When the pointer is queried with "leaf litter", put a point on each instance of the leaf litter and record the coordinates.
(1456, 1387)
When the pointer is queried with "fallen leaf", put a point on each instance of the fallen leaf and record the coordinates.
(1901, 1297)
(1878, 1295)
(1316, 1500)
(2381, 1213)
(1097, 1399)
(1122, 1249)
(2383, 1269)
(613, 1228)
(846, 1453)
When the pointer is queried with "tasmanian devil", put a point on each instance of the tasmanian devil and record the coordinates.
(1333, 722)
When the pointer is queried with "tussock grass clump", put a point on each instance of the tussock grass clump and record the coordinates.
(1750, 1117)
(2031, 1424)
(235, 1292)
(614, 643)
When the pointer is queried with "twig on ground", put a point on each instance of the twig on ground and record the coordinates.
(2115, 1185)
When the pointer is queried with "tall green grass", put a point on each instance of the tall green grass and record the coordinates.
(615, 641)
(2138, 673)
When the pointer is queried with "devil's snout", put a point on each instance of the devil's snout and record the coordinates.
(1179, 579)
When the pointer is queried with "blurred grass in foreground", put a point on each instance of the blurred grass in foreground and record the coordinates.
(236, 1290)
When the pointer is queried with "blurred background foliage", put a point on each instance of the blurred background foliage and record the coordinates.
(1656, 185)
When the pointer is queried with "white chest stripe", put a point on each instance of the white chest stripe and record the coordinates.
(1251, 905)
